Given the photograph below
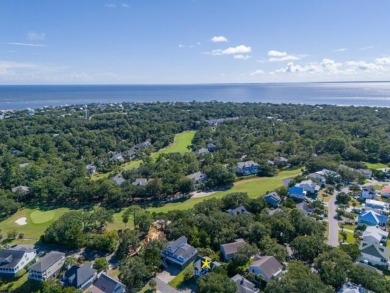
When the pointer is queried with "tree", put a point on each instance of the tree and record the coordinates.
(216, 283)
(133, 273)
(306, 248)
(270, 246)
(153, 285)
(152, 253)
(11, 235)
(101, 264)
(343, 198)
(129, 241)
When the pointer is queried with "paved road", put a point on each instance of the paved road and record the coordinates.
(333, 233)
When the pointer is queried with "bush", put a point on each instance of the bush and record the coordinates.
(20, 273)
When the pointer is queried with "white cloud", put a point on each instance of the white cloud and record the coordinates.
(366, 48)
(340, 50)
(257, 72)
(180, 46)
(125, 5)
(296, 68)
(330, 65)
(278, 56)
(242, 57)
(238, 50)
(26, 44)
(34, 36)
(383, 60)
(7, 67)
(110, 5)
(363, 65)
(219, 39)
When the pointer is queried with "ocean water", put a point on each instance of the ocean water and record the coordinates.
(354, 93)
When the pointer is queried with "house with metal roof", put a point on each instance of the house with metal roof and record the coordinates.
(371, 218)
(79, 277)
(14, 260)
(247, 168)
(106, 284)
(243, 285)
(179, 251)
(374, 254)
(373, 234)
(267, 267)
(47, 267)
(229, 250)
(376, 205)
(273, 199)
(297, 193)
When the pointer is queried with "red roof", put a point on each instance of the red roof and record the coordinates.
(386, 189)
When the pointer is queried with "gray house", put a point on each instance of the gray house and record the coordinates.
(179, 251)
(106, 284)
(267, 267)
(229, 250)
(47, 267)
(80, 277)
(243, 285)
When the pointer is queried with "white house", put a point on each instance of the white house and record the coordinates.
(47, 267)
(376, 205)
(179, 251)
(309, 186)
(198, 179)
(374, 235)
(13, 260)
(374, 254)
(267, 267)
(368, 192)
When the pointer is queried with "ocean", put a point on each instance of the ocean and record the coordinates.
(344, 94)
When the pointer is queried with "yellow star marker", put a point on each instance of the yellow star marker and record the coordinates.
(206, 264)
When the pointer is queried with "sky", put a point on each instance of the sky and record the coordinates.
(193, 41)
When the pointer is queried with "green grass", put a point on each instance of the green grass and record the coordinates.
(376, 165)
(177, 281)
(350, 227)
(19, 285)
(37, 223)
(179, 145)
(254, 187)
(350, 238)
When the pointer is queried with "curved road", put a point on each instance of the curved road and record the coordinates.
(333, 233)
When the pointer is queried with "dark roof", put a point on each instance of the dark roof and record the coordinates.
(233, 247)
(185, 251)
(268, 265)
(272, 197)
(243, 285)
(106, 284)
(295, 190)
(237, 211)
(374, 250)
(47, 261)
(304, 207)
(78, 275)
(9, 258)
(174, 245)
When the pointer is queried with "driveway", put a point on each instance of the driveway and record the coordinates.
(333, 233)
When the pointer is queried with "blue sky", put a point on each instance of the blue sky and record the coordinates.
(193, 41)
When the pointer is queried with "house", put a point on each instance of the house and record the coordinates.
(243, 285)
(373, 234)
(211, 147)
(267, 267)
(198, 179)
(374, 254)
(91, 169)
(296, 192)
(273, 199)
(281, 161)
(375, 205)
(106, 284)
(20, 189)
(80, 277)
(47, 267)
(14, 260)
(202, 151)
(371, 218)
(142, 145)
(118, 179)
(304, 208)
(229, 250)
(368, 192)
(140, 182)
(179, 251)
(385, 192)
(200, 270)
(320, 179)
(309, 186)
(247, 168)
(24, 165)
(352, 288)
(324, 175)
(237, 211)
(367, 173)
(118, 157)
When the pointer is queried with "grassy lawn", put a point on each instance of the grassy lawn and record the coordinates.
(180, 145)
(37, 222)
(376, 165)
(20, 285)
(322, 196)
(179, 279)
(254, 187)
(350, 227)
(350, 238)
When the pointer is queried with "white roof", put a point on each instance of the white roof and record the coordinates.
(376, 203)
(375, 232)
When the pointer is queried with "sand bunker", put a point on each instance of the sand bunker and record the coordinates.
(21, 221)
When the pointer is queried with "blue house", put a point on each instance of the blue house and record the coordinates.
(297, 192)
(273, 199)
(247, 168)
(372, 218)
